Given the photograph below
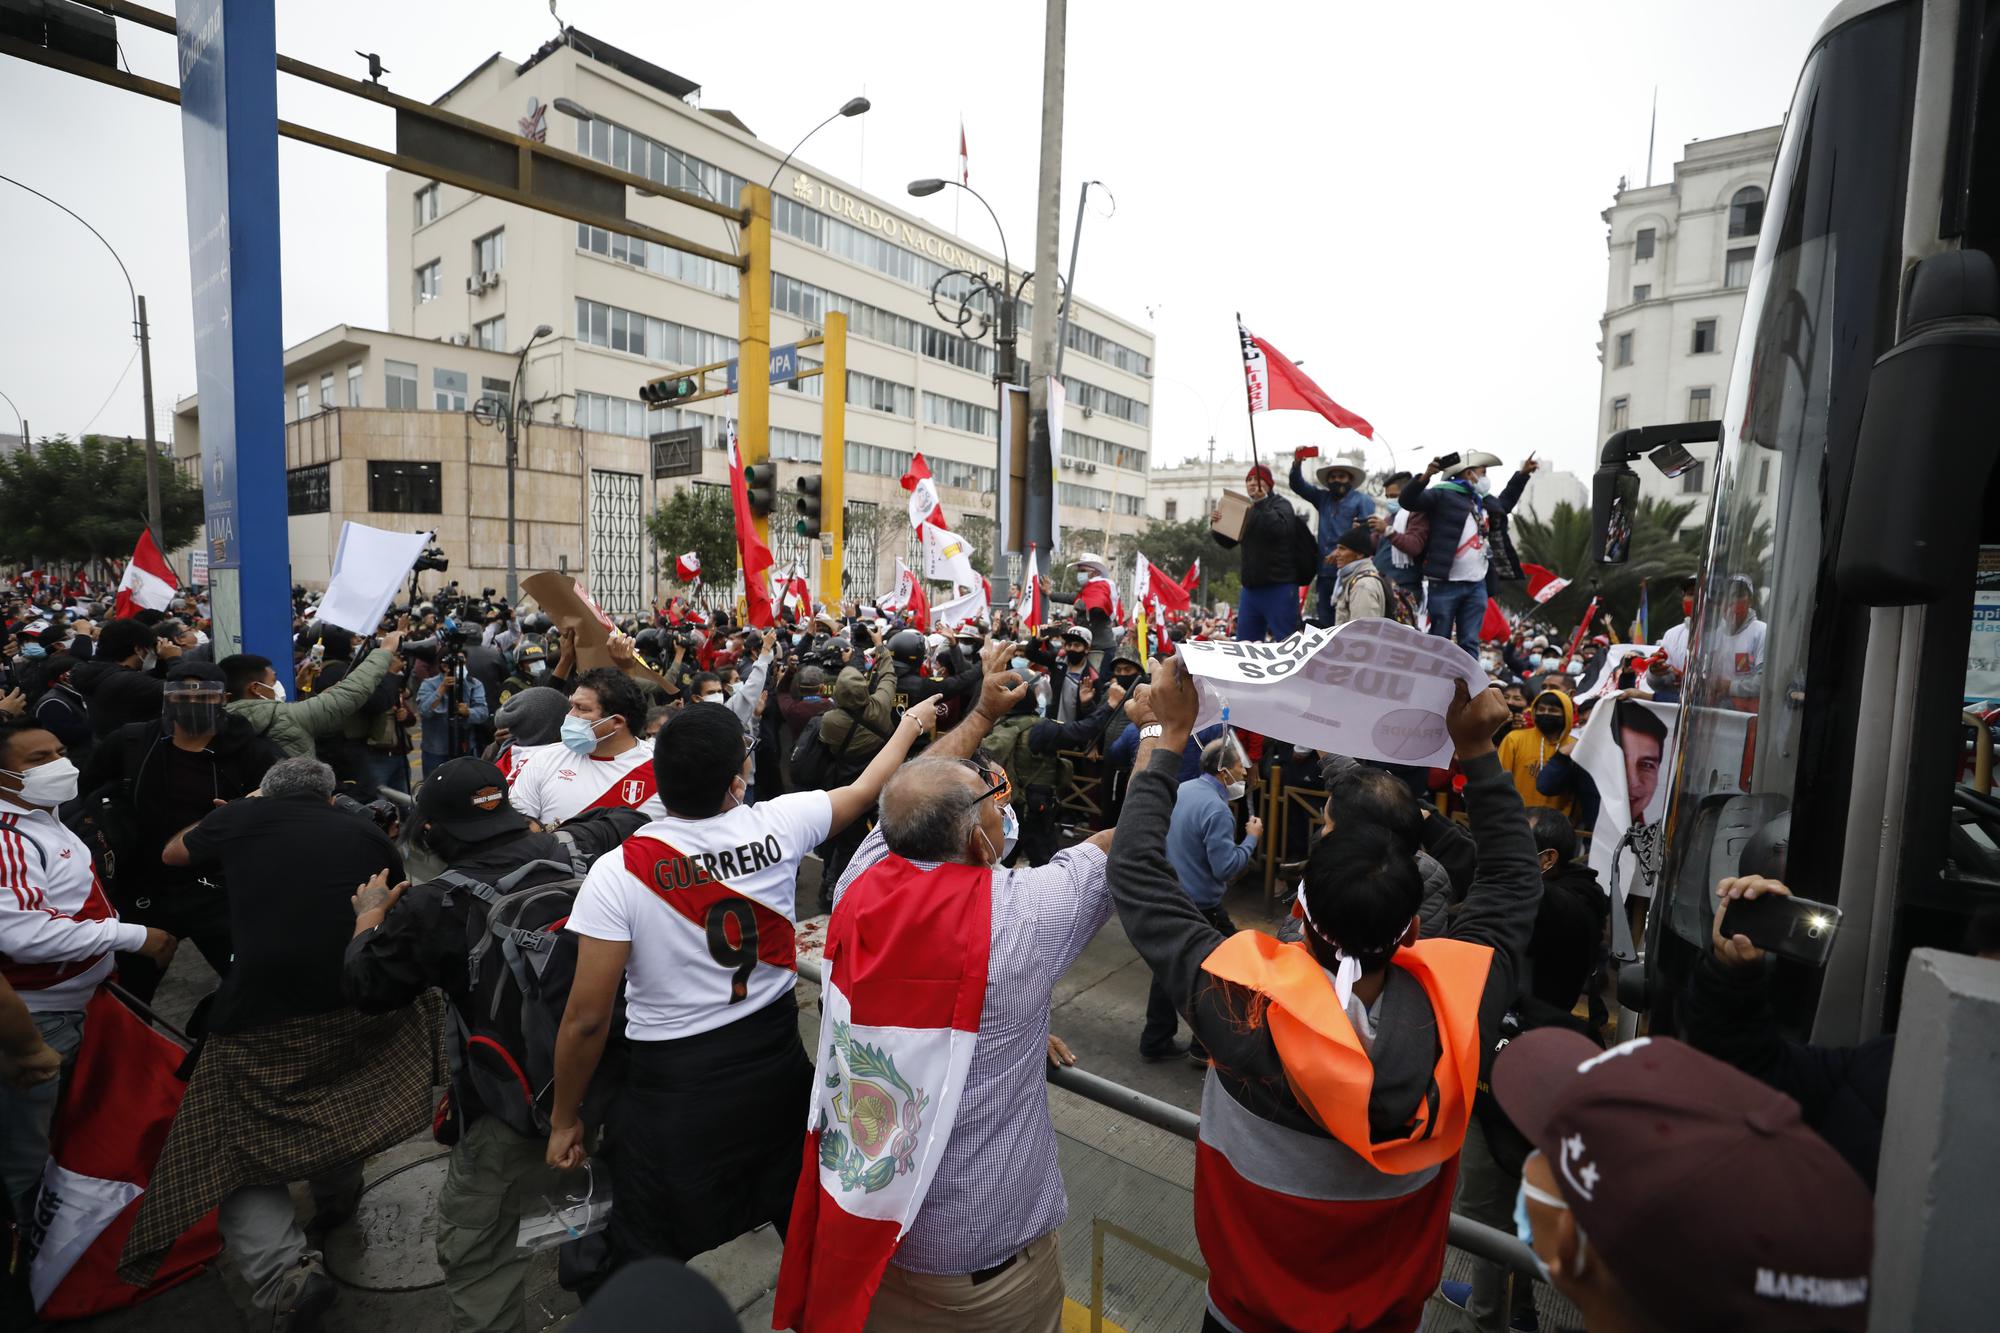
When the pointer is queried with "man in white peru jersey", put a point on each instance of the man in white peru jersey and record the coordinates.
(602, 759)
(695, 914)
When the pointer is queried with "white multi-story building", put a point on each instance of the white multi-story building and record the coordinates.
(1189, 490)
(1680, 259)
(471, 277)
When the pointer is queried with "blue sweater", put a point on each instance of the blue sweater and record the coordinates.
(1336, 512)
(1201, 841)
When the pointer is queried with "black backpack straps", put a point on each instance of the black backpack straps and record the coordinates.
(578, 862)
(480, 889)
(562, 869)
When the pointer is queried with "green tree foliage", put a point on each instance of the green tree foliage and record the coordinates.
(1562, 546)
(698, 519)
(71, 503)
(1175, 546)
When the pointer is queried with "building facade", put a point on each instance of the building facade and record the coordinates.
(1679, 261)
(1189, 490)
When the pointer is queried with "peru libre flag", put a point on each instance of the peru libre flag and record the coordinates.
(1276, 385)
(924, 504)
(110, 1125)
(1542, 585)
(906, 959)
(1028, 603)
(148, 584)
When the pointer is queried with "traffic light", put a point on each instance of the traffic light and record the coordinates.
(808, 507)
(668, 390)
(761, 480)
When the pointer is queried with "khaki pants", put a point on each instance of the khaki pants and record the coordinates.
(1027, 1298)
(493, 1175)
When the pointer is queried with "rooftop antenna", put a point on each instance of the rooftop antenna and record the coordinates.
(1655, 125)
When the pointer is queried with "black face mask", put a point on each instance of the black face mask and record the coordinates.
(1126, 682)
(1338, 488)
(1549, 724)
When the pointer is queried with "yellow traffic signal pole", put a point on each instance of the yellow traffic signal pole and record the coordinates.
(833, 458)
(753, 339)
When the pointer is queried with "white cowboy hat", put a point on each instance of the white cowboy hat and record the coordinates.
(1089, 560)
(1354, 473)
(1474, 459)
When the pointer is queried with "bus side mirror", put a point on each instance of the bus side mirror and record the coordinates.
(1614, 490)
(1927, 442)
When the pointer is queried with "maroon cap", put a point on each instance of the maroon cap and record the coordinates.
(1708, 1198)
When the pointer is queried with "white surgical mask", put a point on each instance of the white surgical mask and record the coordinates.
(579, 735)
(47, 785)
(278, 689)
(1236, 789)
(1483, 486)
(1010, 831)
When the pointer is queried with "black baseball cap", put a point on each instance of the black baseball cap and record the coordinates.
(467, 798)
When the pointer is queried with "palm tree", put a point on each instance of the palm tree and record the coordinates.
(1562, 546)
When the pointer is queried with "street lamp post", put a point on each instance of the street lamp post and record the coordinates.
(514, 408)
(853, 106)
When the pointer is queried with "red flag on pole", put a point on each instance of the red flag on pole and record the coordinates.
(1276, 385)
(924, 504)
(1494, 625)
(1028, 605)
(148, 584)
(964, 164)
(687, 567)
(1542, 584)
(752, 556)
(1192, 579)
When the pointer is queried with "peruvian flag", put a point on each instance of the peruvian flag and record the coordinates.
(1151, 583)
(964, 164)
(1494, 625)
(148, 584)
(906, 961)
(1028, 604)
(907, 596)
(924, 504)
(1192, 579)
(687, 568)
(1163, 646)
(795, 595)
(1542, 585)
(752, 556)
(117, 1105)
(1274, 384)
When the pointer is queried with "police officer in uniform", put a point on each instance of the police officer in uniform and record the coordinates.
(906, 649)
(1028, 746)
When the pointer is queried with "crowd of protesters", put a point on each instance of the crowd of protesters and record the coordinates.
(446, 854)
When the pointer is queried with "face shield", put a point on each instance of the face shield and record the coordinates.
(194, 706)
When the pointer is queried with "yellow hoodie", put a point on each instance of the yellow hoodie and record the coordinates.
(1524, 751)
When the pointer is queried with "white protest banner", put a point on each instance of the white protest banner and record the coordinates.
(969, 606)
(1369, 689)
(1606, 683)
(369, 566)
(948, 558)
(1624, 747)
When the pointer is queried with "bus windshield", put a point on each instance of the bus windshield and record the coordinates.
(1757, 704)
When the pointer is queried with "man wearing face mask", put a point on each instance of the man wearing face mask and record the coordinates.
(1739, 656)
(409, 939)
(255, 694)
(1342, 506)
(1400, 538)
(1469, 549)
(1202, 845)
(57, 932)
(124, 677)
(1526, 751)
(980, 1250)
(603, 759)
(1675, 641)
(696, 915)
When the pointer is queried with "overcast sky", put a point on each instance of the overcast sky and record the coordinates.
(1404, 197)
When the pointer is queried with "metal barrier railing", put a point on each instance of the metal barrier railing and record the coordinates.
(1475, 1238)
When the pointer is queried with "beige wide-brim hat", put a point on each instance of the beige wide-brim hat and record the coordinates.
(1474, 459)
(1091, 561)
(1352, 474)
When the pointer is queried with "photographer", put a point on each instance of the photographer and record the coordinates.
(451, 705)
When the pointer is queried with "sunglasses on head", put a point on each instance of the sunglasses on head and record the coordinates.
(993, 779)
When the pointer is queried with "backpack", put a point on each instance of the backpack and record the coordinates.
(817, 766)
(1007, 743)
(1401, 602)
(520, 964)
(1305, 552)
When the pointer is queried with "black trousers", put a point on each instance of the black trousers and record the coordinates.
(1162, 1014)
(196, 913)
(706, 1139)
(1038, 811)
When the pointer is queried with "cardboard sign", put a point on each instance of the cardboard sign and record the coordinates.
(570, 607)
(1369, 689)
(1235, 505)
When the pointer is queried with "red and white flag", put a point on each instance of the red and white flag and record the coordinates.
(687, 568)
(1542, 584)
(964, 162)
(1192, 579)
(908, 597)
(906, 960)
(148, 584)
(752, 556)
(117, 1106)
(1151, 584)
(1274, 384)
(924, 504)
(1029, 605)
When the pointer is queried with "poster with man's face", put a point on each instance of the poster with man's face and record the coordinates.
(1625, 747)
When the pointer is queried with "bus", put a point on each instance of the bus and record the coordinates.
(1843, 676)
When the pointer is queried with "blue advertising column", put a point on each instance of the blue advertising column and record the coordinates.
(229, 147)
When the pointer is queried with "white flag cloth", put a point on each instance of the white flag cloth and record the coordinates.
(898, 597)
(948, 557)
(967, 606)
(1369, 689)
(369, 566)
(1057, 397)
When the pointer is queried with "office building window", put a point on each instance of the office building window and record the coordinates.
(399, 384)
(705, 273)
(1736, 268)
(794, 446)
(448, 390)
(1699, 402)
(1131, 505)
(1704, 336)
(877, 461)
(1173, 510)
(1642, 292)
(1695, 480)
(405, 488)
(1621, 414)
(1746, 212)
(1642, 243)
(308, 490)
(942, 411)
(880, 395)
(1083, 497)
(1090, 449)
(1093, 400)
(491, 334)
(601, 325)
(326, 389)
(498, 392)
(427, 204)
(965, 476)
(489, 252)
(1763, 476)
(1624, 352)
(428, 277)
(354, 385)
(625, 416)
(303, 395)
